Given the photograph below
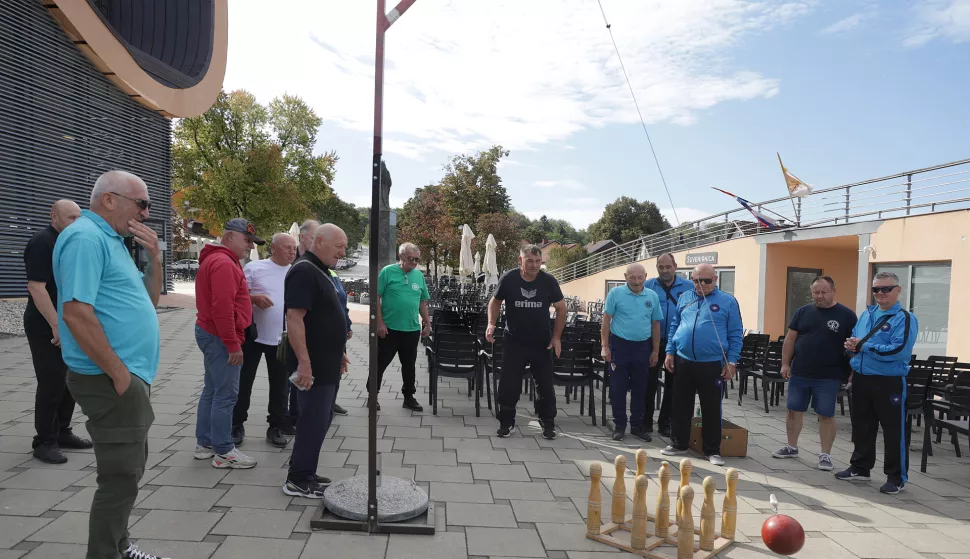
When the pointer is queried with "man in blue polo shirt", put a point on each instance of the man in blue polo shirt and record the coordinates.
(110, 343)
(669, 287)
(631, 345)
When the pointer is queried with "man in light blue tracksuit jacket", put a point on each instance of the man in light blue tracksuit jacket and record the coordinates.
(704, 344)
(881, 347)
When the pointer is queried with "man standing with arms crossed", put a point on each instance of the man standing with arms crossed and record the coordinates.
(881, 347)
(110, 342)
(53, 404)
(631, 345)
(669, 287)
(403, 294)
(814, 362)
(703, 350)
(527, 293)
(265, 279)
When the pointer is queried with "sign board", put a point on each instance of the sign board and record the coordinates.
(701, 258)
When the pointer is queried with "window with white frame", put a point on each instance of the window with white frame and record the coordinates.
(610, 284)
(925, 292)
(725, 278)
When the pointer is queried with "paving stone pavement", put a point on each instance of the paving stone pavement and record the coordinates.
(518, 497)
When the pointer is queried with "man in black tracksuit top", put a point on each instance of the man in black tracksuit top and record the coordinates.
(527, 293)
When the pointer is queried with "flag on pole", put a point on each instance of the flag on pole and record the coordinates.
(796, 186)
(763, 220)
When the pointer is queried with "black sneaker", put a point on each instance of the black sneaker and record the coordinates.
(890, 488)
(134, 553)
(648, 428)
(322, 481)
(339, 410)
(274, 436)
(72, 441)
(412, 404)
(852, 474)
(641, 433)
(305, 489)
(49, 454)
(618, 433)
(238, 434)
(549, 430)
(367, 405)
(664, 431)
(288, 428)
(506, 430)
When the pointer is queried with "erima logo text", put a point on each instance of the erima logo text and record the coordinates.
(528, 294)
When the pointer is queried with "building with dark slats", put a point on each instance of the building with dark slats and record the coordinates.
(90, 86)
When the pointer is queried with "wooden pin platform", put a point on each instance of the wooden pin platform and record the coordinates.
(618, 536)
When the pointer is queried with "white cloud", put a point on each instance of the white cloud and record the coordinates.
(940, 19)
(564, 184)
(580, 218)
(463, 75)
(685, 214)
(847, 24)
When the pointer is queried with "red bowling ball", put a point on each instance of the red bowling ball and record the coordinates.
(783, 534)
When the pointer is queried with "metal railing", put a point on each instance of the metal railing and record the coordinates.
(915, 192)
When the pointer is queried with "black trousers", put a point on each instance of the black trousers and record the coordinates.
(653, 384)
(53, 403)
(311, 429)
(405, 346)
(278, 383)
(880, 401)
(703, 380)
(514, 360)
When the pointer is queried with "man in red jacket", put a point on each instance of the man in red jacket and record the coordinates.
(224, 312)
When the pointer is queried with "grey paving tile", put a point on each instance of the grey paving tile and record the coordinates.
(428, 445)
(183, 498)
(179, 550)
(191, 477)
(522, 455)
(175, 525)
(467, 456)
(459, 474)
(45, 479)
(354, 443)
(454, 431)
(408, 432)
(55, 551)
(461, 443)
(8, 461)
(566, 488)
(500, 473)
(553, 471)
(81, 501)
(460, 492)
(421, 457)
(326, 545)
(14, 529)
(524, 443)
(236, 547)
(504, 542)
(70, 527)
(524, 490)
(274, 477)
(924, 540)
(29, 502)
(474, 514)
(873, 546)
(257, 523)
(562, 512)
(442, 545)
(75, 461)
(255, 497)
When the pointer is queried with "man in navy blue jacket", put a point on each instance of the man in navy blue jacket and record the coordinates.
(703, 348)
(881, 347)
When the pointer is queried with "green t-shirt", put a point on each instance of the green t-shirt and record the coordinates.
(401, 295)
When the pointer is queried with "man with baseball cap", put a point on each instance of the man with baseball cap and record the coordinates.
(225, 311)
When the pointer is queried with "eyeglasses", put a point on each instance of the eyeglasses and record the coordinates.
(412, 259)
(141, 203)
(705, 281)
(884, 289)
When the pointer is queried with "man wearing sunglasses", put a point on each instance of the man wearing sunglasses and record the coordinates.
(881, 347)
(403, 295)
(702, 353)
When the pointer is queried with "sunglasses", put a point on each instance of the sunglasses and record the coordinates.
(884, 289)
(412, 259)
(142, 204)
(705, 281)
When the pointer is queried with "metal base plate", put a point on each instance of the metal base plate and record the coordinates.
(420, 525)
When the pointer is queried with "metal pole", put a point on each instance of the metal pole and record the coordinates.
(909, 191)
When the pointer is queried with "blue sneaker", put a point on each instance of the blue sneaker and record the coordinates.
(852, 474)
(890, 488)
(787, 451)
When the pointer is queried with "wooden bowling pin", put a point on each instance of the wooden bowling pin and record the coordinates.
(641, 462)
(638, 531)
(685, 469)
(729, 510)
(619, 491)
(685, 525)
(707, 515)
(594, 505)
(662, 521)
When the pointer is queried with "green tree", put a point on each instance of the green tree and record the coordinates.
(472, 187)
(241, 159)
(424, 222)
(343, 215)
(626, 219)
(505, 229)
(561, 256)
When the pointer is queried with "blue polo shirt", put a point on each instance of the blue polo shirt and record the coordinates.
(668, 298)
(93, 266)
(632, 314)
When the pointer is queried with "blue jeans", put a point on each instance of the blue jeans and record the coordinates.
(316, 413)
(823, 393)
(214, 422)
(629, 367)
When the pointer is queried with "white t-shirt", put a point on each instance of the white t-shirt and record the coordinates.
(266, 277)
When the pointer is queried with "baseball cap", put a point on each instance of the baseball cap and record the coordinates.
(240, 225)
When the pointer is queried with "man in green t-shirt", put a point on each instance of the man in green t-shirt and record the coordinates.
(403, 294)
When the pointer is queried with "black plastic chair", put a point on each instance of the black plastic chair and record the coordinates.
(454, 354)
(770, 373)
(953, 406)
(753, 349)
(574, 368)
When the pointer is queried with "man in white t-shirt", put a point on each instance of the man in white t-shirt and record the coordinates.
(266, 279)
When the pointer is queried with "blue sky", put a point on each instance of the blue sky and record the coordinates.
(844, 90)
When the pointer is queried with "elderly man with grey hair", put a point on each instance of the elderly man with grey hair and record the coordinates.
(265, 279)
(403, 295)
(110, 344)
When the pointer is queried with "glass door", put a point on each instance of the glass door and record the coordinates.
(798, 291)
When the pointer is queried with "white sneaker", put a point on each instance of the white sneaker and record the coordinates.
(716, 459)
(203, 452)
(234, 459)
(671, 450)
(134, 553)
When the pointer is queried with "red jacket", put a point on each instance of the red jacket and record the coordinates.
(222, 296)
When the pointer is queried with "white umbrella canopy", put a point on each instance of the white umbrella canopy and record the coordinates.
(491, 265)
(466, 264)
(254, 254)
(295, 232)
(478, 264)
